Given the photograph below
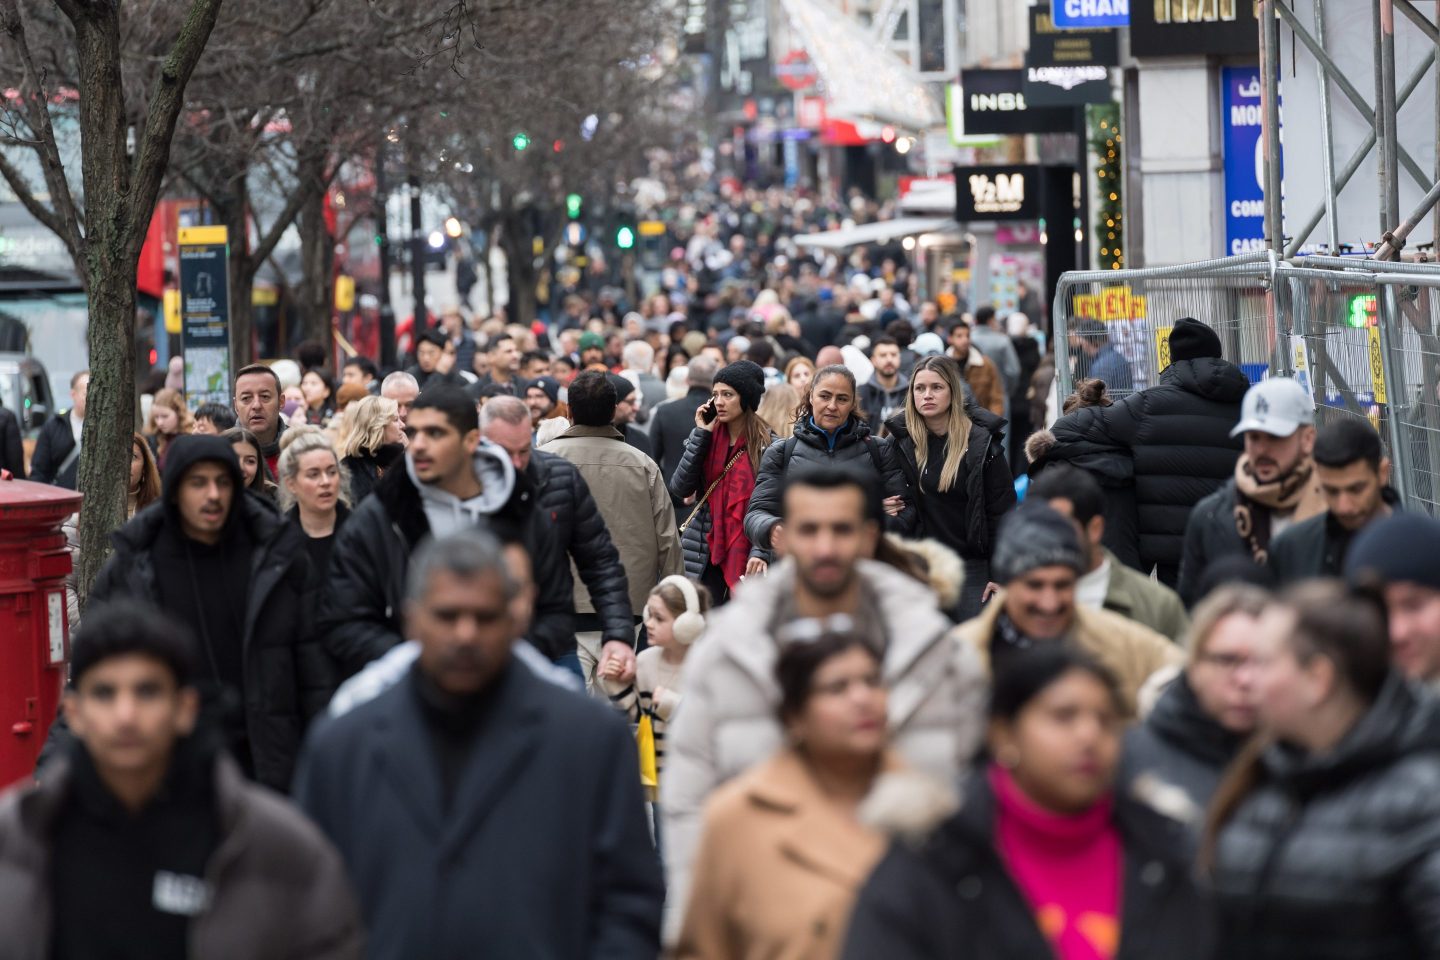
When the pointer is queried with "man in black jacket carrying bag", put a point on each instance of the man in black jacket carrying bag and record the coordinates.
(57, 450)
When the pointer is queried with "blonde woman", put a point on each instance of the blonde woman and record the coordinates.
(779, 407)
(955, 463)
(371, 439)
(314, 501)
(169, 418)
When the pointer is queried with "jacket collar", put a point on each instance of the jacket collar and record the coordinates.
(606, 432)
(1121, 595)
(398, 497)
(815, 834)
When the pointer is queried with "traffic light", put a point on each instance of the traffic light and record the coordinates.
(520, 141)
(1360, 310)
(573, 202)
(625, 236)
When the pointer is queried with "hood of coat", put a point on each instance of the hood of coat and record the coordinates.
(1402, 721)
(497, 482)
(1208, 377)
(1179, 720)
(187, 451)
(1037, 447)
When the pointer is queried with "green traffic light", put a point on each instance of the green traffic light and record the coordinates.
(625, 238)
(1359, 310)
(520, 141)
(572, 205)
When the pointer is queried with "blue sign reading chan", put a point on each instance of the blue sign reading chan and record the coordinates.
(1088, 14)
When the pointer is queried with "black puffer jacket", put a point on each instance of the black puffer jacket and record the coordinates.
(989, 485)
(1337, 857)
(576, 525)
(366, 468)
(1181, 745)
(281, 651)
(360, 612)
(951, 895)
(855, 446)
(1179, 435)
(689, 478)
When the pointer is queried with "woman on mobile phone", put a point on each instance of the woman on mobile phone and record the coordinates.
(718, 470)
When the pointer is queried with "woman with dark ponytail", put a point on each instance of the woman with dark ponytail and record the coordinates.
(1323, 839)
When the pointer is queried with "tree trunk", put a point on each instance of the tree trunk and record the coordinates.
(110, 268)
(315, 292)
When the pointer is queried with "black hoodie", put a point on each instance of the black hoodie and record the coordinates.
(205, 585)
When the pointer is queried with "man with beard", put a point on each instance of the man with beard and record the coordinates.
(884, 395)
(1354, 476)
(1039, 560)
(1274, 486)
(832, 521)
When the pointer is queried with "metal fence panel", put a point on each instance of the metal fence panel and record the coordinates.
(1364, 336)
(1117, 323)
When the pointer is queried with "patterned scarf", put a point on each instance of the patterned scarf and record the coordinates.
(1255, 501)
(729, 547)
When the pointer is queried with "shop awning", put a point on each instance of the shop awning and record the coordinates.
(882, 231)
(862, 81)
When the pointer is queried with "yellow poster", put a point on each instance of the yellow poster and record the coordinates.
(1377, 366)
(1162, 348)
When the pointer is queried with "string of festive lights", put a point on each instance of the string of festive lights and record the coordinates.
(1109, 227)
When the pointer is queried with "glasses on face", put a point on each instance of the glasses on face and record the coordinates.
(246, 399)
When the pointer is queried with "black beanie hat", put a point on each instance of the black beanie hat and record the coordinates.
(1032, 537)
(1190, 340)
(745, 378)
(623, 387)
(1402, 548)
(550, 385)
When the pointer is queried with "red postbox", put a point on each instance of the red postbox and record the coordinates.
(34, 626)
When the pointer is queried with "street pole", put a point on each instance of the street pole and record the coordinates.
(382, 234)
(417, 238)
(1270, 132)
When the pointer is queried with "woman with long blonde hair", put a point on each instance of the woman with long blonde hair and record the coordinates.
(169, 418)
(951, 451)
(779, 407)
(370, 440)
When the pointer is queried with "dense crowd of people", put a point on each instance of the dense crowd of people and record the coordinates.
(787, 614)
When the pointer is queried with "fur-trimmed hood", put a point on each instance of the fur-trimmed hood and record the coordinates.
(943, 570)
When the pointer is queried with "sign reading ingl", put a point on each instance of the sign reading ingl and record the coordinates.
(1075, 14)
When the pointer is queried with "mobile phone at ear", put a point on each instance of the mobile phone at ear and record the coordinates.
(710, 413)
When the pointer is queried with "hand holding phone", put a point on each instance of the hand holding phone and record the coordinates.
(710, 412)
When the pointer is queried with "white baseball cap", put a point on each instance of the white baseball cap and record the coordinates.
(1278, 406)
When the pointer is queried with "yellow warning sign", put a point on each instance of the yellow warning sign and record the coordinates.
(1377, 366)
(172, 311)
(1162, 348)
(344, 293)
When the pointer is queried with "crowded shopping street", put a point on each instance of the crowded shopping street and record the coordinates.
(763, 480)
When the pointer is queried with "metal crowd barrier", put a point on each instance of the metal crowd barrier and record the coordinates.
(1362, 335)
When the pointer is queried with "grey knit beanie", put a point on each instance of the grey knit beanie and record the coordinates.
(1032, 537)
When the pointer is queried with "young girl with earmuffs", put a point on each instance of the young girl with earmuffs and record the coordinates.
(674, 619)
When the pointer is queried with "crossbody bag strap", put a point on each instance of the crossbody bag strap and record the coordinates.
(715, 483)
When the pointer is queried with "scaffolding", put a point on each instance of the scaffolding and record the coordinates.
(1380, 112)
